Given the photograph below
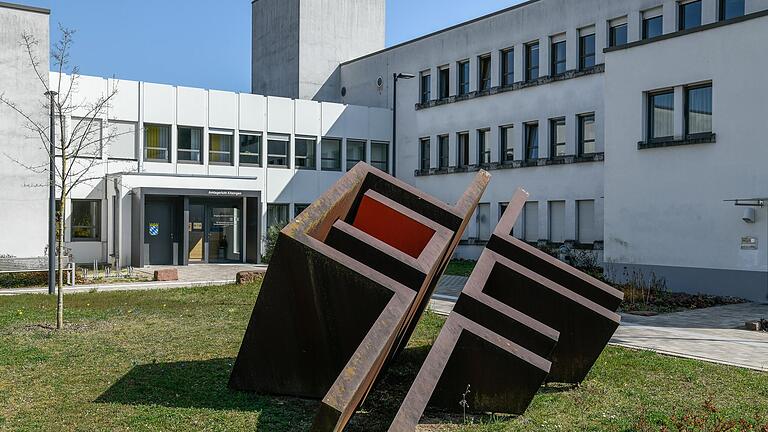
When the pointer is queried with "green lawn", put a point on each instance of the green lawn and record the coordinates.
(159, 360)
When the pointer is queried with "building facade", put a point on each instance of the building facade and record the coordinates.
(635, 125)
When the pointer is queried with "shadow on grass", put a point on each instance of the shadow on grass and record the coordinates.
(203, 385)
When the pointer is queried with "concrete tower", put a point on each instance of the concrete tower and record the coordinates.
(298, 44)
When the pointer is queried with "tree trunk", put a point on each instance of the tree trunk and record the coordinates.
(60, 245)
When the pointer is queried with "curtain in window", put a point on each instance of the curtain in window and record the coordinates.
(156, 142)
(220, 148)
(663, 115)
(700, 110)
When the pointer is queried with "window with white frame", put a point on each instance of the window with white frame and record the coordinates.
(355, 152)
(277, 150)
(305, 152)
(250, 149)
(330, 154)
(190, 144)
(157, 143)
(221, 148)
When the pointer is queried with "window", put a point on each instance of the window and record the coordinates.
(587, 51)
(157, 142)
(220, 148)
(558, 58)
(463, 149)
(484, 146)
(484, 72)
(444, 82)
(330, 154)
(585, 222)
(305, 149)
(507, 153)
(443, 151)
(587, 134)
(617, 35)
(731, 9)
(557, 138)
(424, 154)
(531, 141)
(277, 216)
(483, 221)
(661, 108)
(653, 26)
(698, 110)
(380, 155)
(503, 209)
(277, 150)
(86, 220)
(689, 15)
(557, 221)
(426, 87)
(531, 221)
(355, 152)
(532, 61)
(463, 77)
(190, 144)
(250, 149)
(123, 142)
(507, 67)
(87, 134)
(298, 208)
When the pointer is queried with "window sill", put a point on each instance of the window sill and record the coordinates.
(306, 168)
(278, 166)
(220, 163)
(250, 165)
(157, 161)
(565, 160)
(691, 140)
(188, 162)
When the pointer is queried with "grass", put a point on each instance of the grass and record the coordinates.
(460, 267)
(160, 360)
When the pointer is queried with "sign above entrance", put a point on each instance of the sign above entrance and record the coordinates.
(225, 193)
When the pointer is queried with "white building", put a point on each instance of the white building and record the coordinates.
(634, 124)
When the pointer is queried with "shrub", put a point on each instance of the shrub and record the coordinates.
(21, 280)
(270, 240)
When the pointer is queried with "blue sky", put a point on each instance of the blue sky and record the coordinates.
(191, 43)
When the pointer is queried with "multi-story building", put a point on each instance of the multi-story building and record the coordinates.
(635, 125)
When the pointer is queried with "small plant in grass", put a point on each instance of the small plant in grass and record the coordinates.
(464, 404)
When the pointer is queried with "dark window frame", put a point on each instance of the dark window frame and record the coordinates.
(352, 162)
(444, 151)
(555, 62)
(681, 15)
(723, 6)
(507, 75)
(553, 143)
(484, 146)
(650, 114)
(336, 167)
(530, 67)
(529, 140)
(258, 155)
(462, 77)
(581, 136)
(425, 83)
(484, 83)
(612, 42)
(506, 147)
(311, 160)
(180, 150)
(95, 225)
(645, 26)
(379, 163)
(584, 55)
(298, 208)
(424, 153)
(686, 107)
(444, 82)
(273, 156)
(462, 149)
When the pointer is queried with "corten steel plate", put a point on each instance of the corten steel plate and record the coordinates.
(499, 352)
(346, 279)
(579, 306)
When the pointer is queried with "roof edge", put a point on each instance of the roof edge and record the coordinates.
(25, 8)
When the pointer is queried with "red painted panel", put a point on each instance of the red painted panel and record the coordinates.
(392, 227)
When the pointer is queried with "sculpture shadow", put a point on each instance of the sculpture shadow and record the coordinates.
(203, 384)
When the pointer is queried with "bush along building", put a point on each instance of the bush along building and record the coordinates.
(635, 125)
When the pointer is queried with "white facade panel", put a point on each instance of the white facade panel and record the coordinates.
(159, 103)
(192, 106)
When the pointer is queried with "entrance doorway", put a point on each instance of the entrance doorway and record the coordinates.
(196, 233)
(215, 231)
(159, 231)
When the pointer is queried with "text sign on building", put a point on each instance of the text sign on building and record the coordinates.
(225, 193)
(749, 243)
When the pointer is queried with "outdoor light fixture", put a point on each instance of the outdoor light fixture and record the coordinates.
(396, 76)
(749, 215)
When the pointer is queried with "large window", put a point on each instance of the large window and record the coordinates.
(463, 67)
(587, 51)
(87, 133)
(531, 141)
(250, 149)
(617, 34)
(532, 61)
(355, 152)
(653, 26)
(277, 150)
(443, 151)
(220, 148)
(698, 110)
(426, 87)
(484, 146)
(689, 15)
(444, 82)
(380, 155)
(661, 115)
(731, 9)
(463, 149)
(330, 154)
(123, 143)
(190, 144)
(557, 221)
(557, 138)
(86, 220)
(507, 154)
(424, 154)
(587, 134)
(277, 215)
(484, 72)
(585, 222)
(157, 143)
(298, 208)
(558, 57)
(507, 67)
(305, 152)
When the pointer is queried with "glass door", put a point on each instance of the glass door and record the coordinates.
(196, 233)
(224, 233)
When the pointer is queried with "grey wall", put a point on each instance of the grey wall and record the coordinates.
(275, 48)
(23, 194)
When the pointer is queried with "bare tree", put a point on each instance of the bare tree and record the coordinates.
(78, 151)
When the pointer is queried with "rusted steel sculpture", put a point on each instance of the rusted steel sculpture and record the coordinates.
(523, 318)
(346, 283)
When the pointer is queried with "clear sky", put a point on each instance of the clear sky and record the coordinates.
(207, 43)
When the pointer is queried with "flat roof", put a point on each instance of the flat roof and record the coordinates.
(24, 8)
(447, 29)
